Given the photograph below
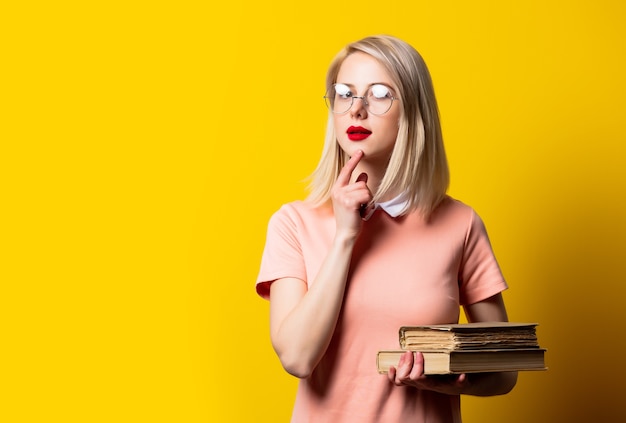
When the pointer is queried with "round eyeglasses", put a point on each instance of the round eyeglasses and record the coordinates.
(377, 100)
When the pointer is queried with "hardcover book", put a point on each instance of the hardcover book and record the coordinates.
(483, 335)
(469, 361)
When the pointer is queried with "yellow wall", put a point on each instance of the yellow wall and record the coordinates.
(144, 145)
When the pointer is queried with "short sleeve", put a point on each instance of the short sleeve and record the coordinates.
(282, 256)
(480, 276)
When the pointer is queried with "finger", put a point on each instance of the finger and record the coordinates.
(363, 209)
(418, 367)
(461, 379)
(391, 375)
(404, 367)
(348, 168)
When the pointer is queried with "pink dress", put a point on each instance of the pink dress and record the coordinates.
(405, 271)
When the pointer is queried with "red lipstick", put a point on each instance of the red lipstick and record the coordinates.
(358, 133)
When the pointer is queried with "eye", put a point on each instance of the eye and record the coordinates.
(380, 91)
(342, 90)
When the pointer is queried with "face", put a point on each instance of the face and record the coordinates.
(359, 129)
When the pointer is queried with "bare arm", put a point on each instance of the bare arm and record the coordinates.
(410, 369)
(302, 321)
(485, 384)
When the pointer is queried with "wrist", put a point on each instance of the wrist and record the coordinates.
(345, 239)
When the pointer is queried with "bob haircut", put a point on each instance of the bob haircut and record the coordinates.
(418, 167)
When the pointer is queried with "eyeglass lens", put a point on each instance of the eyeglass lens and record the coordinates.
(377, 100)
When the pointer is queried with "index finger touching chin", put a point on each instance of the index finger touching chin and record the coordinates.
(348, 168)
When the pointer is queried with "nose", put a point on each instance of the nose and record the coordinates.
(358, 107)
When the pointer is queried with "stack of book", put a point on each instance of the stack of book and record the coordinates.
(469, 348)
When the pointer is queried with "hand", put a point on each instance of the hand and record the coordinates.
(348, 198)
(410, 372)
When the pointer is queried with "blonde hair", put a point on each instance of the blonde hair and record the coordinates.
(418, 166)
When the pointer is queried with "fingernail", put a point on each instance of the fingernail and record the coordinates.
(369, 211)
(362, 177)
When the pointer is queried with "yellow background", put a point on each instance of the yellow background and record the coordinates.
(144, 146)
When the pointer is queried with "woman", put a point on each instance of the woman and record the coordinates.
(377, 244)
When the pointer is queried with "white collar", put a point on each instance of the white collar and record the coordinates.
(393, 207)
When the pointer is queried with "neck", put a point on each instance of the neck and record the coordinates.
(374, 174)
(374, 178)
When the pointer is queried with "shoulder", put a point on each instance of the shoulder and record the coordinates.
(453, 209)
(458, 216)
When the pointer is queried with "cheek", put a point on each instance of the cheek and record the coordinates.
(392, 128)
(339, 124)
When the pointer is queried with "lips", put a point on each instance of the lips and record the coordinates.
(358, 133)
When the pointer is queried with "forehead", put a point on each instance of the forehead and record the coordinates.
(361, 70)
